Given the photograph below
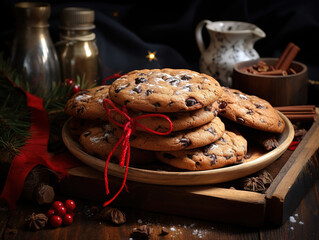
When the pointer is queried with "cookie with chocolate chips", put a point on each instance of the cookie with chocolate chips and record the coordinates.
(98, 141)
(88, 103)
(77, 126)
(165, 90)
(249, 110)
(186, 139)
(180, 120)
(228, 150)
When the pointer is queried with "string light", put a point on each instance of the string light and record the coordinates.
(151, 56)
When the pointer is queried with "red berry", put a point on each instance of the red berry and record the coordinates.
(67, 219)
(55, 205)
(61, 211)
(69, 82)
(69, 205)
(55, 221)
(50, 213)
(76, 88)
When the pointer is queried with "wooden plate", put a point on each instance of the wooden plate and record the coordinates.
(161, 177)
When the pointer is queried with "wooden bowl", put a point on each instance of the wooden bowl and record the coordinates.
(183, 178)
(277, 90)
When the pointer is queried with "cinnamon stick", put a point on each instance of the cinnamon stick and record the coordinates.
(297, 108)
(304, 113)
(261, 68)
(297, 112)
(287, 56)
(301, 118)
(273, 72)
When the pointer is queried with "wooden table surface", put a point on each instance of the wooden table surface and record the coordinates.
(302, 224)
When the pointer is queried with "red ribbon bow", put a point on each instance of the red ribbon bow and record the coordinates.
(129, 127)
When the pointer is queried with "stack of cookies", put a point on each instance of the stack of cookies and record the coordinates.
(193, 102)
(90, 126)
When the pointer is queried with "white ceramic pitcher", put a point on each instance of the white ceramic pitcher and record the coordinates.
(230, 42)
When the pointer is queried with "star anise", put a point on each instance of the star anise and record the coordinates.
(113, 215)
(299, 134)
(143, 231)
(254, 184)
(270, 143)
(265, 177)
(36, 221)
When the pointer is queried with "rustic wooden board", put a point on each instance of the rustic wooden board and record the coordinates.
(295, 173)
(294, 178)
(204, 202)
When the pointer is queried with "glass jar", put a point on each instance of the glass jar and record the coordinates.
(33, 53)
(77, 50)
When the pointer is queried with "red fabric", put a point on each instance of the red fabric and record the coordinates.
(33, 153)
(129, 128)
(293, 145)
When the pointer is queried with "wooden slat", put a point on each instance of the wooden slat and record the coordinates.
(294, 179)
(206, 202)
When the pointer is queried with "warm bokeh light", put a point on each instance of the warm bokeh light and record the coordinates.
(151, 56)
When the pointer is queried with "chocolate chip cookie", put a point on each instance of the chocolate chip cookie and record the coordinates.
(186, 139)
(165, 90)
(249, 110)
(180, 120)
(229, 149)
(88, 103)
(78, 125)
(98, 141)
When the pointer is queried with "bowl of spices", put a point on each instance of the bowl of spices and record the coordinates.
(280, 81)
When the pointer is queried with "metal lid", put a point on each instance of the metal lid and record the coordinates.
(32, 13)
(77, 18)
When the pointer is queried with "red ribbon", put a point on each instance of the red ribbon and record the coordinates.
(33, 153)
(116, 75)
(129, 127)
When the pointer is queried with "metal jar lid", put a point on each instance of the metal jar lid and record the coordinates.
(35, 14)
(77, 19)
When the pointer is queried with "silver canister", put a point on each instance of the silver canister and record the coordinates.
(33, 53)
(77, 50)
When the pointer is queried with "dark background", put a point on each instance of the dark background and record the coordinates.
(143, 26)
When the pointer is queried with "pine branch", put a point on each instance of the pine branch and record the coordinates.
(14, 113)
(14, 117)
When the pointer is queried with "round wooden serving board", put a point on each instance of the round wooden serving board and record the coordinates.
(161, 177)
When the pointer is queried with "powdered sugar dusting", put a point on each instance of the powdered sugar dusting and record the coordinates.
(177, 231)
(82, 97)
(95, 139)
(293, 220)
(197, 233)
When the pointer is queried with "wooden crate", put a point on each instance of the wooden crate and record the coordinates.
(295, 172)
